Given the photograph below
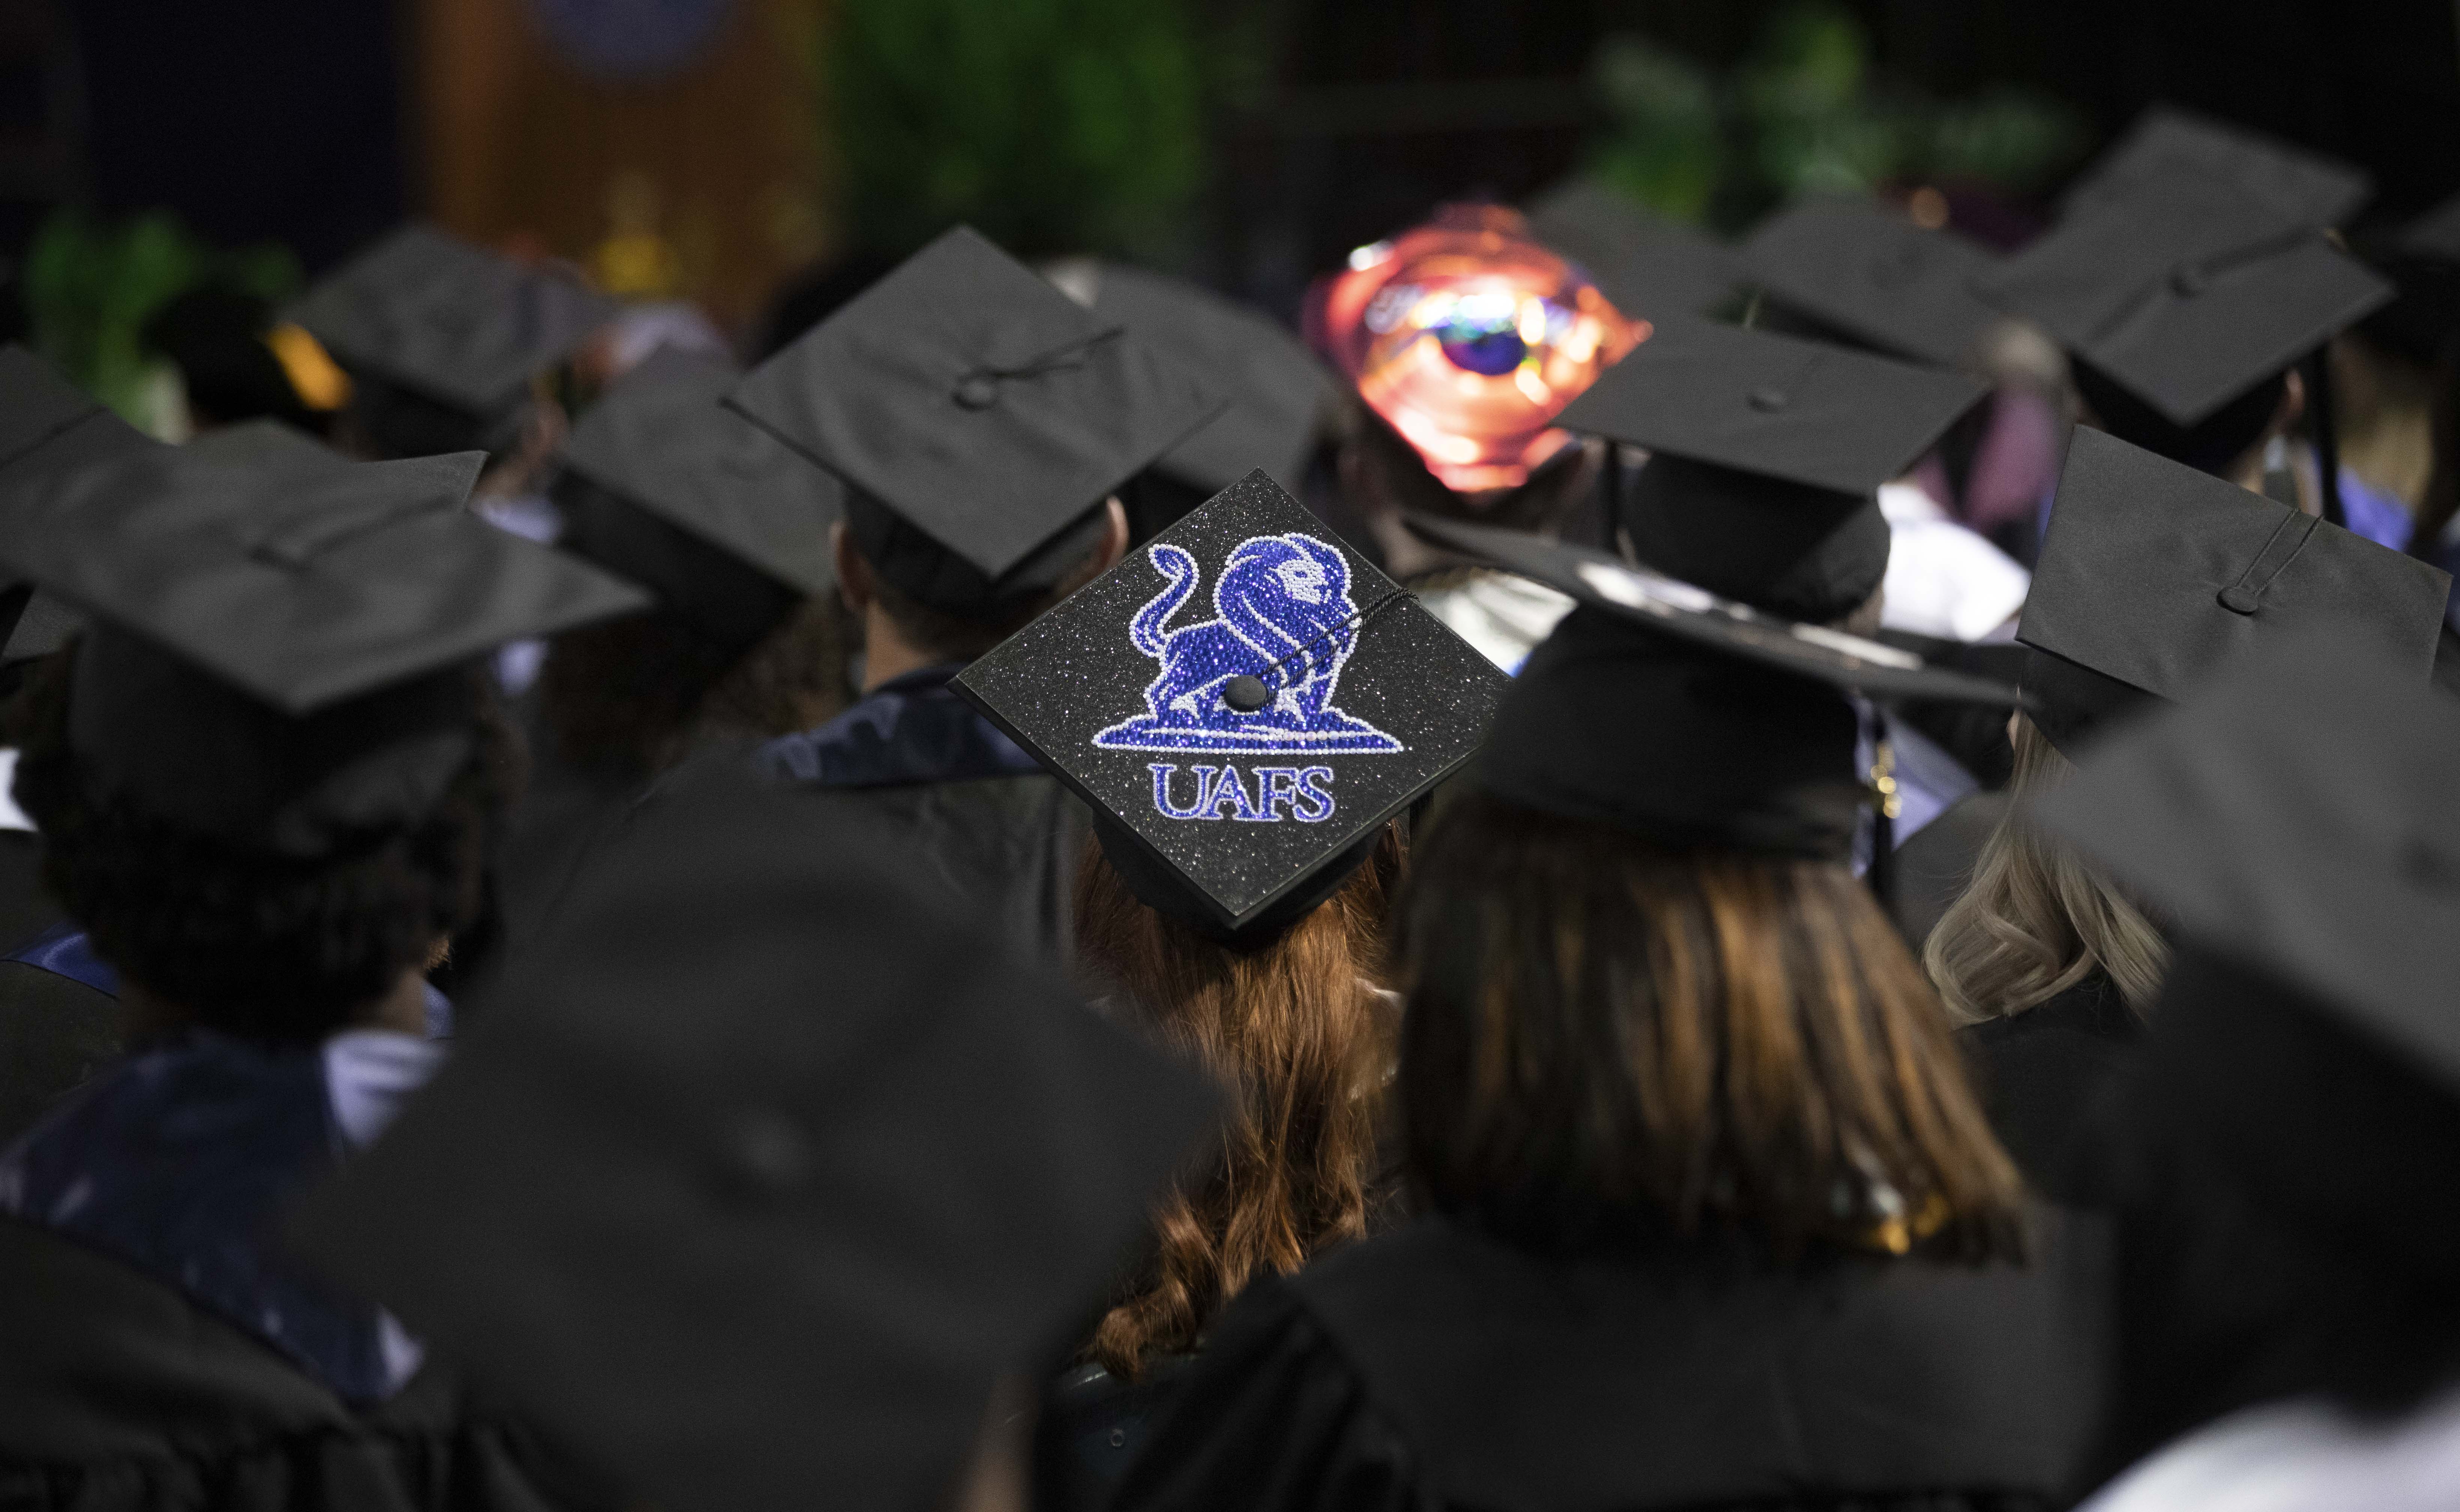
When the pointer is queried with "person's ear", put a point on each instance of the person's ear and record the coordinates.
(2293, 404)
(854, 574)
(1114, 538)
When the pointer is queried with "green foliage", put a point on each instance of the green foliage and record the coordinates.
(91, 287)
(1805, 111)
(1050, 125)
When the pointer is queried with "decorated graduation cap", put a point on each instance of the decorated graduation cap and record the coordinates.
(2185, 293)
(1765, 452)
(1860, 268)
(1467, 336)
(1279, 392)
(2295, 823)
(279, 653)
(671, 489)
(1665, 710)
(444, 337)
(1243, 704)
(2155, 578)
(2302, 188)
(1646, 264)
(788, 1240)
(979, 418)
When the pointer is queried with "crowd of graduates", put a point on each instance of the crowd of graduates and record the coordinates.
(1632, 873)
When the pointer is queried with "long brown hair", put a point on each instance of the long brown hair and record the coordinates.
(1608, 1042)
(2038, 917)
(1297, 1027)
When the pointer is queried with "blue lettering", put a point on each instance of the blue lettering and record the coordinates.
(1316, 804)
(1230, 790)
(1162, 771)
(1278, 786)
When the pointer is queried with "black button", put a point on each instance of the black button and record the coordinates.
(2239, 600)
(977, 391)
(1246, 693)
(1768, 400)
(764, 1154)
(2188, 280)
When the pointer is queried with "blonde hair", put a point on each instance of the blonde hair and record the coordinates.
(2039, 918)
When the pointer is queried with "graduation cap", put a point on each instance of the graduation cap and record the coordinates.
(451, 323)
(48, 426)
(2305, 188)
(1663, 709)
(1645, 264)
(267, 444)
(1765, 452)
(686, 497)
(1279, 392)
(279, 654)
(1467, 337)
(1859, 267)
(979, 418)
(2186, 292)
(1243, 705)
(2295, 821)
(2155, 578)
(780, 1247)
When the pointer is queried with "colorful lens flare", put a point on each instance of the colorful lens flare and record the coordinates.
(1469, 337)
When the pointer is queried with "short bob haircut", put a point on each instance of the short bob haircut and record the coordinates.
(1610, 1045)
(247, 942)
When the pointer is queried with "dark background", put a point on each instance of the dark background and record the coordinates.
(299, 120)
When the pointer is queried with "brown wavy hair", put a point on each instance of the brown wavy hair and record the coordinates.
(630, 697)
(1297, 1027)
(1610, 1044)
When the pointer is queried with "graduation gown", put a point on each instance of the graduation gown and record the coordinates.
(980, 815)
(1439, 1367)
(59, 1023)
(2048, 1075)
(163, 1351)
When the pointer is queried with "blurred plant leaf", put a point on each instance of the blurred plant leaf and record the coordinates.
(1668, 148)
(1050, 125)
(2009, 137)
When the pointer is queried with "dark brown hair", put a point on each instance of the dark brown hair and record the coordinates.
(1296, 1026)
(253, 943)
(1608, 1043)
(633, 697)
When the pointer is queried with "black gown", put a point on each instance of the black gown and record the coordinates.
(2048, 1075)
(118, 1393)
(1438, 1368)
(972, 810)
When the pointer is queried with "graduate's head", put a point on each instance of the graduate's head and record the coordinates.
(1647, 998)
(731, 531)
(269, 774)
(241, 937)
(981, 423)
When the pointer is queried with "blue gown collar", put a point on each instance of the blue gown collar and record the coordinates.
(909, 730)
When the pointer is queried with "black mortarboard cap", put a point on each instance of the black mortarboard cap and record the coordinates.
(781, 1246)
(1665, 710)
(979, 417)
(47, 427)
(2295, 823)
(1279, 392)
(2155, 578)
(1859, 268)
(1765, 452)
(2435, 234)
(266, 444)
(686, 497)
(1646, 266)
(277, 653)
(1243, 704)
(2305, 188)
(453, 323)
(2186, 294)
(36, 404)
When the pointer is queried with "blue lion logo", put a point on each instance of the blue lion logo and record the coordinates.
(1285, 618)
